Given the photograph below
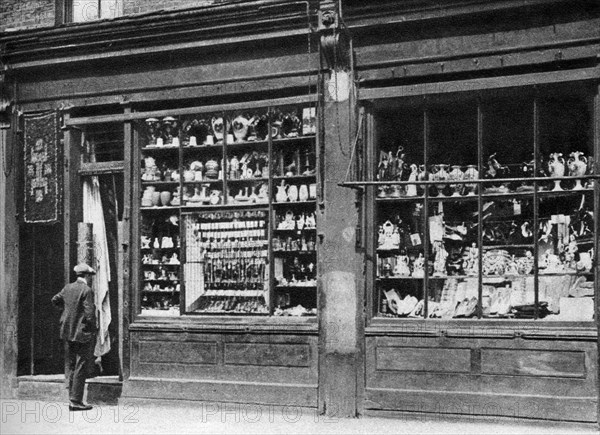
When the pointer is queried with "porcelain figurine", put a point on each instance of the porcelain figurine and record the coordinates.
(419, 266)
(401, 268)
(556, 168)
(577, 165)
(411, 189)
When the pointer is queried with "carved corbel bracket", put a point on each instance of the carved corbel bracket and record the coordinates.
(335, 44)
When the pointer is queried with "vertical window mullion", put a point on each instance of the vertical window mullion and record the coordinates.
(479, 210)
(536, 150)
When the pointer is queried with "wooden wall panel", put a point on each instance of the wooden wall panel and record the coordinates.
(510, 377)
(533, 363)
(228, 367)
(286, 355)
(181, 353)
(420, 359)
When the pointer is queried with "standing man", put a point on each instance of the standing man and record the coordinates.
(77, 330)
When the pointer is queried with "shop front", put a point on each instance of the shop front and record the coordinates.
(351, 209)
(480, 206)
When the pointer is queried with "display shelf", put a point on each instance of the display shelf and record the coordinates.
(159, 208)
(160, 148)
(293, 178)
(296, 286)
(215, 243)
(236, 293)
(295, 203)
(204, 181)
(202, 147)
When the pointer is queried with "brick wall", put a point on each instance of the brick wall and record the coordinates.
(26, 13)
(21, 14)
(139, 6)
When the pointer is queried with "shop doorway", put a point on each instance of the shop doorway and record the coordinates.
(41, 277)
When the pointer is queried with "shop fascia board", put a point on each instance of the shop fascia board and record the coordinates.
(381, 14)
(158, 35)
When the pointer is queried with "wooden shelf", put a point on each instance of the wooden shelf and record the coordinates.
(295, 203)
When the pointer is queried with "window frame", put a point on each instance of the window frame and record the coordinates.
(372, 102)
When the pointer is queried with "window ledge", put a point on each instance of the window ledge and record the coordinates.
(525, 329)
(223, 324)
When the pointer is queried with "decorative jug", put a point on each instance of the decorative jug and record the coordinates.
(281, 195)
(556, 168)
(577, 165)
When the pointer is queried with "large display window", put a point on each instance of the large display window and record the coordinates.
(489, 210)
(228, 216)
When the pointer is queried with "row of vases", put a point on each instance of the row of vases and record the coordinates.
(152, 198)
(293, 193)
(440, 173)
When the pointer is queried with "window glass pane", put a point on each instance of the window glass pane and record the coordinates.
(111, 8)
(85, 10)
(90, 10)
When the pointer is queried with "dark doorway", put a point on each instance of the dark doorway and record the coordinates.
(40, 277)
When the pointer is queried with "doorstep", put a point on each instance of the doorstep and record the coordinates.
(99, 390)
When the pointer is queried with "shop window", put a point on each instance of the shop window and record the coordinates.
(228, 213)
(490, 210)
(81, 11)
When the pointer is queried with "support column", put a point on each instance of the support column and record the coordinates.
(341, 297)
(9, 260)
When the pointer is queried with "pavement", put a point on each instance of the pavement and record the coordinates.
(45, 417)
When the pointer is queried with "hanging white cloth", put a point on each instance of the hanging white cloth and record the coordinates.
(93, 213)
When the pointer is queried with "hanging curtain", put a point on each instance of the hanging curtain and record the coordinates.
(93, 213)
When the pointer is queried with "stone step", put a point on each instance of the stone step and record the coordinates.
(102, 390)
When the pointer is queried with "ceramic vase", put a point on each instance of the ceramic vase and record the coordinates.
(455, 175)
(165, 197)
(303, 193)
(155, 198)
(293, 193)
(556, 168)
(212, 169)
(147, 196)
(577, 165)
(471, 173)
(240, 128)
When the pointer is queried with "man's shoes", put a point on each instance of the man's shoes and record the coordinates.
(79, 407)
